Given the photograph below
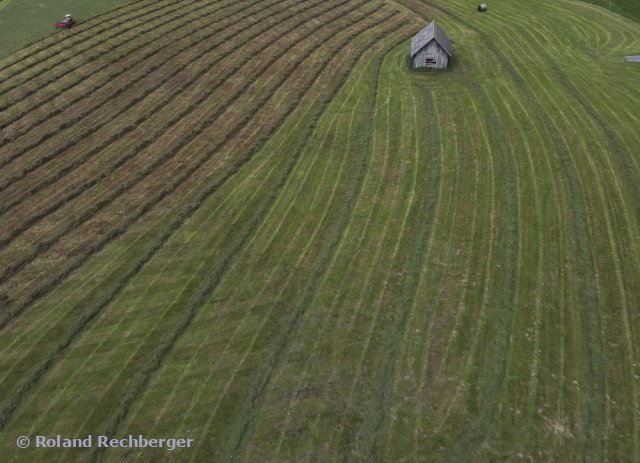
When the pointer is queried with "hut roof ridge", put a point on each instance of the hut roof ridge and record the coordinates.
(430, 32)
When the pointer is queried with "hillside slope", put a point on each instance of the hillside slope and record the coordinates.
(23, 22)
(248, 223)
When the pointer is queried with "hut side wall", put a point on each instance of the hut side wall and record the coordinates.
(431, 50)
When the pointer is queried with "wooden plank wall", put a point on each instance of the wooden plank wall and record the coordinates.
(431, 50)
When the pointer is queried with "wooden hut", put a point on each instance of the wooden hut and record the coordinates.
(431, 48)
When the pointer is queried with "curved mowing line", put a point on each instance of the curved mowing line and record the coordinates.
(594, 406)
(122, 25)
(629, 343)
(50, 42)
(366, 285)
(502, 319)
(168, 342)
(422, 388)
(474, 258)
(42, 101)
(53, 282)
(442, 203)
(306, 142)
(80, 160)
(81, 115)
(483, 289)
(371, 433)
(629, 166)
(26, 386)
(44, 289)
(242, 427)
(124, 187)
(341, 293)
(285, 284)
(309, 242)
(169, 308)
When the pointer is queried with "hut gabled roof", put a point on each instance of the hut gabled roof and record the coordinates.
(426, 35)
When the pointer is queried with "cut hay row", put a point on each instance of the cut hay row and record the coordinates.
(338, 24)
(381, 280)
(122, 128)
(417, 243)
(33, 118)
(177, 387)
(426, 368)
(532, 250)
(146, 169)
(103, 243)
(422, 347)
(75, 85)
(473, 323)
(90, 25)
(328, 256)
(131, 22)
(502, 315)
(270, 234)
(381, 166)
(629, 349)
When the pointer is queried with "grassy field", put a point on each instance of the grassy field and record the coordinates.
(628, 8)
(250, 224)
(25, 21)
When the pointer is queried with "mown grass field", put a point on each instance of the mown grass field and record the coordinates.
(249, 223)
(628, 8)
(24, 22)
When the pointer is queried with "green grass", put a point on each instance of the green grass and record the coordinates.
(25, 21)
(628, 8)
(322, 255)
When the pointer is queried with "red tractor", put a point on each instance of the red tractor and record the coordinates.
(66, 23)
